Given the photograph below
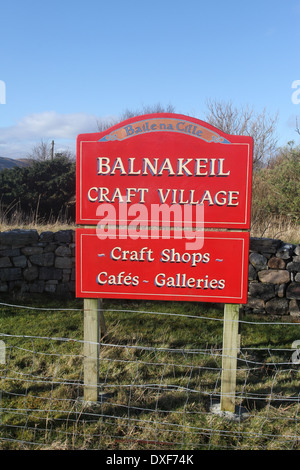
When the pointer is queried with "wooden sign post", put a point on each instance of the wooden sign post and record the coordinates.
(94, 330)
(229, 357)
(91, 349)
(148, 188)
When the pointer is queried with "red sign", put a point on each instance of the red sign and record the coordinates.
(145, 165)
(215, 269)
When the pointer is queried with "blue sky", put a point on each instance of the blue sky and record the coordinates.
(68, 63)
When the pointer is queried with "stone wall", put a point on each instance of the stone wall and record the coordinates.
(274, 278)
(37, 263)
(45, 263)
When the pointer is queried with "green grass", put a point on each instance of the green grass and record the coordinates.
(159, 374)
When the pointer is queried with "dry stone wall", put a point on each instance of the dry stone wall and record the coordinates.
(45, 263)
(274, 278)
(37, 263)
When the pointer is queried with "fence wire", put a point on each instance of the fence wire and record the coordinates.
(159, 384)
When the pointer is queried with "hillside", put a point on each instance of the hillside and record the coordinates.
(11, 163)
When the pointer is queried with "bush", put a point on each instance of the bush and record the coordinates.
(276, 188)
(43, 187)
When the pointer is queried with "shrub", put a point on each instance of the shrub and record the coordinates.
(276, 188)
(43, 187)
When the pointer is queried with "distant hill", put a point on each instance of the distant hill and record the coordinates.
(11, 163)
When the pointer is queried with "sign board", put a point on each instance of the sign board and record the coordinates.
(131, 176)
(162, 268)
(166, 160)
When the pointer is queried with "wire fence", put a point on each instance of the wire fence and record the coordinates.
(159, 382)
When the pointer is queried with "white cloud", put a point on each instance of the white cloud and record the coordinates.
(17, 140)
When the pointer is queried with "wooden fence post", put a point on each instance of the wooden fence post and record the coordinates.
(91, 349)
(229, 356)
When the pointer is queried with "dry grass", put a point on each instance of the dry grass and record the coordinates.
(52, 227)
(268, 227)
(17, 220)
(276, 227)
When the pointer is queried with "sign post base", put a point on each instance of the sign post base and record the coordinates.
(239, 413)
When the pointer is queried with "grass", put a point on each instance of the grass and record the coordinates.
(272, 226)
(159, 374)
(276, 227)
(14, 218)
